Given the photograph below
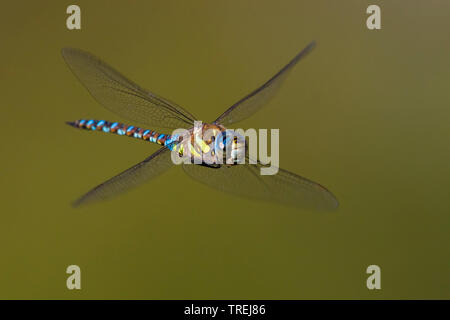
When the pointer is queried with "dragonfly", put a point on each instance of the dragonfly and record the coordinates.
(130, 101)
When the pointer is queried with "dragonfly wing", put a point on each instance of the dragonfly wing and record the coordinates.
(122, 96)
(151, 167)
(258, 98)
(284, 187)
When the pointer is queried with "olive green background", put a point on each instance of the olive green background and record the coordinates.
(365, 114)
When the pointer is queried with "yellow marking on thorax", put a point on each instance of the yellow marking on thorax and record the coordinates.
(193, 151)
(203, 146)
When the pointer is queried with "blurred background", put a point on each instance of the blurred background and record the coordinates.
(365, 114)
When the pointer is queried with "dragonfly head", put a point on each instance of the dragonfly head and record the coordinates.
(231, 146)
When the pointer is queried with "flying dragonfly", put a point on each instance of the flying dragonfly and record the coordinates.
(130, 101)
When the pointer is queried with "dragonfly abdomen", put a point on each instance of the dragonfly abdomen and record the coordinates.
(123, 130)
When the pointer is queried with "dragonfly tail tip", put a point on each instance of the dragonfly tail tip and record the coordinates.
(71, 123)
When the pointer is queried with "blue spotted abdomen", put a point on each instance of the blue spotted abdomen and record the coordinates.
(124, 130)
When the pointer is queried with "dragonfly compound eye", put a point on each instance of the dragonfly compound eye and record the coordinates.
(230, 146)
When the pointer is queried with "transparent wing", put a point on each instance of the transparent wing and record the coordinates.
(122, 96)
(284, 187)
(258, 98)
(151, 167)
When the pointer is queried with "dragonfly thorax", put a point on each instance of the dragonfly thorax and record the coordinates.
(213, 145)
